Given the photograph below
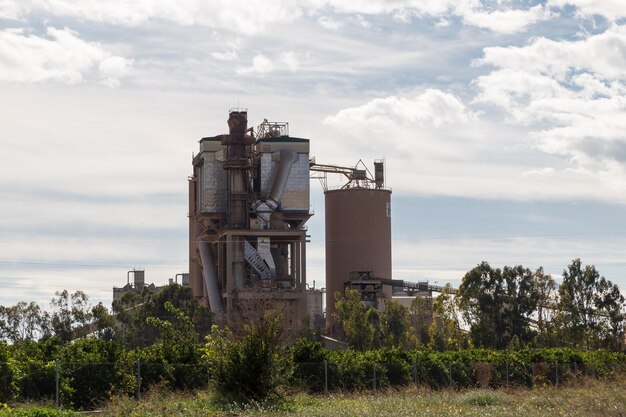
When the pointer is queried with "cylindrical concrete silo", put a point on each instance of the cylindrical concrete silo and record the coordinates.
(358, 238)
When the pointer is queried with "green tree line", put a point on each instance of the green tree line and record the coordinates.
(512, 307)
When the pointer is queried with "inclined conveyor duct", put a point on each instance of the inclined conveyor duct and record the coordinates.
(210, 278)
(288, 157)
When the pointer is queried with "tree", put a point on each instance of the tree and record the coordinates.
(23, 321)
(498, 304)
(104, 322)
(590, 307)
(353, 317)
(133, 309)
(547, 296)
(395, 325)
(609, 302)
(445, 331)
(421, 317)
(71, 315)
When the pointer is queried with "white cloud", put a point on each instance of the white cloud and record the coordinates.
(420, 7)
(539, 172)
(62, 56)
(229, 54)
(330, 23)
(361, 21)
(603, 54)
(432, 107)
(11, 9)
(611, 9)
(260, 65)
(255, 16)
(570, 95)
(112, 69)
(290, 59)
(504, 21)
(247, 17)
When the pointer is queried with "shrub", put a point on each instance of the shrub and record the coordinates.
(33, 412)
(7, 379)
(484, 398)
(309, 356)
(92, 370)
(250, 368)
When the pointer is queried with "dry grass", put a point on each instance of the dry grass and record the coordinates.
(588, 398)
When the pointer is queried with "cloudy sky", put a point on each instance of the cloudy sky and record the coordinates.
(502, 123)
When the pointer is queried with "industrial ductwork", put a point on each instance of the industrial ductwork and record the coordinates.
(288, 157)
(210, 278)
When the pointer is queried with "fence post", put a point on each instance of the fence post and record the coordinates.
(507, 373)
(415, 372)
(56, 390)
(374, 376)
(325, 377)
(138, 379)
(208, 374)
(556, 373)
(450, 374)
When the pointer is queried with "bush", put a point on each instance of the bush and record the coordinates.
(7, 382)
(309, 356)
(251, 368)
(33, 412)
(92, 370)
(350, 370)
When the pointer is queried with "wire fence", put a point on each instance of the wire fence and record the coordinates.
(89, 384)
(326, 377)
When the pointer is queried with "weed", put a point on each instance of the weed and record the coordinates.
(484, 398)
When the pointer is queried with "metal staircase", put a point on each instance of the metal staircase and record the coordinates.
(256, 261)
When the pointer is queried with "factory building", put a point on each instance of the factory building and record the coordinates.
(248, 205)
(249, 199)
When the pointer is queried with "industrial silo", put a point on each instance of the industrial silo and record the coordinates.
(358, 239)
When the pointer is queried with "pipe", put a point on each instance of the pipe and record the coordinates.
(210, 278)
(288, 157)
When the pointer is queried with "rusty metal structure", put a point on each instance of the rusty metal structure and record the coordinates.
(248, 205)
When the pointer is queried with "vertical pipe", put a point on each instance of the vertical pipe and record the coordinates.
(229, 274)
(303, 263)
(292, 259)
(239, 261)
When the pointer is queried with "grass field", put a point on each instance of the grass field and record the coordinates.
(590, 398)
(593, 398)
